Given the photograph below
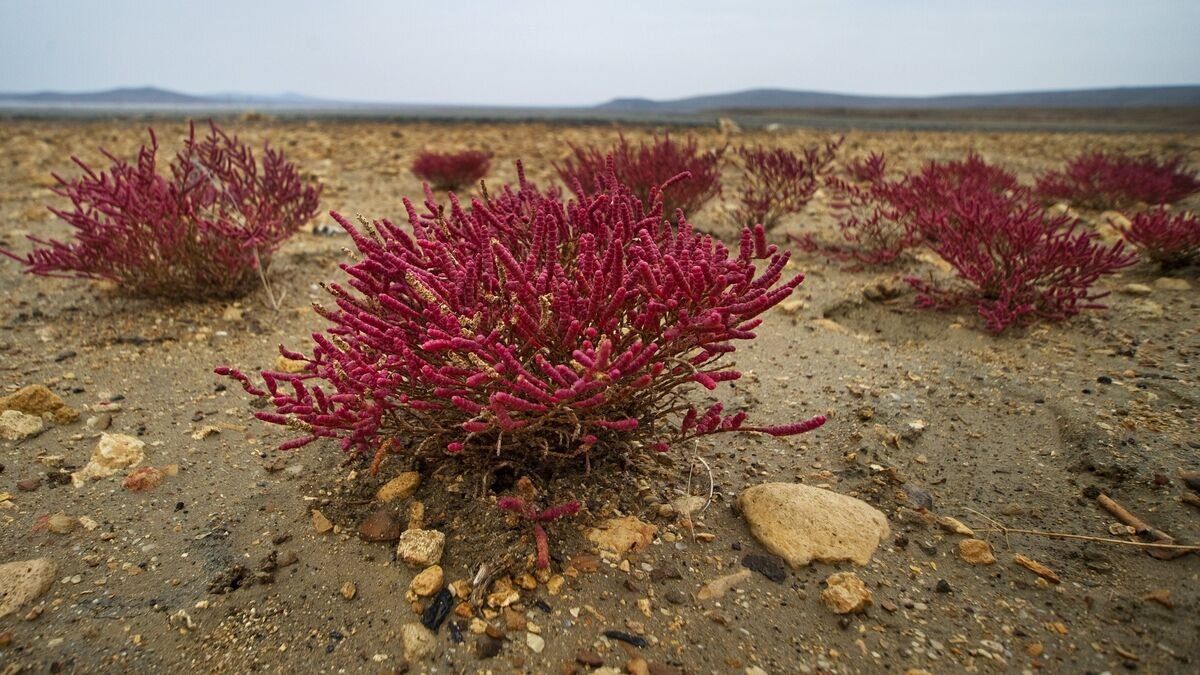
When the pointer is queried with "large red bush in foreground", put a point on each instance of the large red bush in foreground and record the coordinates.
(451, 171)
(779, 182)
(1170, 240)
(645, 167)
(522, 326)
(206, 229)
(1109, 181)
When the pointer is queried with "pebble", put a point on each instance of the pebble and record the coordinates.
(17, 426)
(845, 593)
(721, 585)
(588, 658)
(381, 525)
(29, 484)
(24, 581)
(349, 590)
(144, 479)
(320, 523)
(486, 647)
(113, 452)
(429, 581)
(770, 566)
(622, 535)
(402, 486)
(676, 597)
(421, 548)
(976, 552)
(535, 642)
(1172, 284)
(418, 641)
(37, 400)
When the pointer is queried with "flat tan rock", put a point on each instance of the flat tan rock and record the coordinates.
(976, 552)
(800, 523)
(24, 581)
(622, 535)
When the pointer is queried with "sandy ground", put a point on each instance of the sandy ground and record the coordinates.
(1022, 429)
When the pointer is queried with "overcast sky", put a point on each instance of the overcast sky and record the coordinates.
(573, 52)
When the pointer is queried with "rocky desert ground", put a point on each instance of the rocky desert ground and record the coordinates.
(946, 444)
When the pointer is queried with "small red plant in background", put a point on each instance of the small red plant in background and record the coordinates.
(1014, 262)
(451, 171)
(207, 229)
(1102, 180)
(524, 510)
(523, 327)
(648, 167)
(874, 231)
(1169, 240)
(779, 182)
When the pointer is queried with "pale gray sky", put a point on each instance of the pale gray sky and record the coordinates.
(573, 52)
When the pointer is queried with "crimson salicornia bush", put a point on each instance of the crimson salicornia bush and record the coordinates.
(451, 171)
(1171, 240)
(646, 167)
(779, 182)
(1014, 261)
(873, 230)
(1101, 180)
(880, 218)
(205, 229)
(520, 327)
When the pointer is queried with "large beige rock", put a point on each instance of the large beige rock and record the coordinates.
(800, 523)
(24, 581)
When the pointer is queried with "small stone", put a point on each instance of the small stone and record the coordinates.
(285, 365)
(29, 484)
(320, 523)
(770, 566)
(1172, 284)
(113, 452)
(535, 642)
(1136, 289)
(676, 597)
(954, 526)
(402, 486)
(555, 585)
(24, 581)
(801, 523)
(487, 647)
(638, 666)
(721, 585)
(845, 593)
(38, 400)
(61, 523)
(622, 535)
(17, 426)
(418, 640)
(349, 590)
(429, 581)
(144, 479)
(976, 552)
(1037, 568)
(588, 658)
(421, 548)
(381, 525)
(943, 586)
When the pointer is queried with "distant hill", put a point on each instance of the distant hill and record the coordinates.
(779, 99)
(123, 96)
(154, 96)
